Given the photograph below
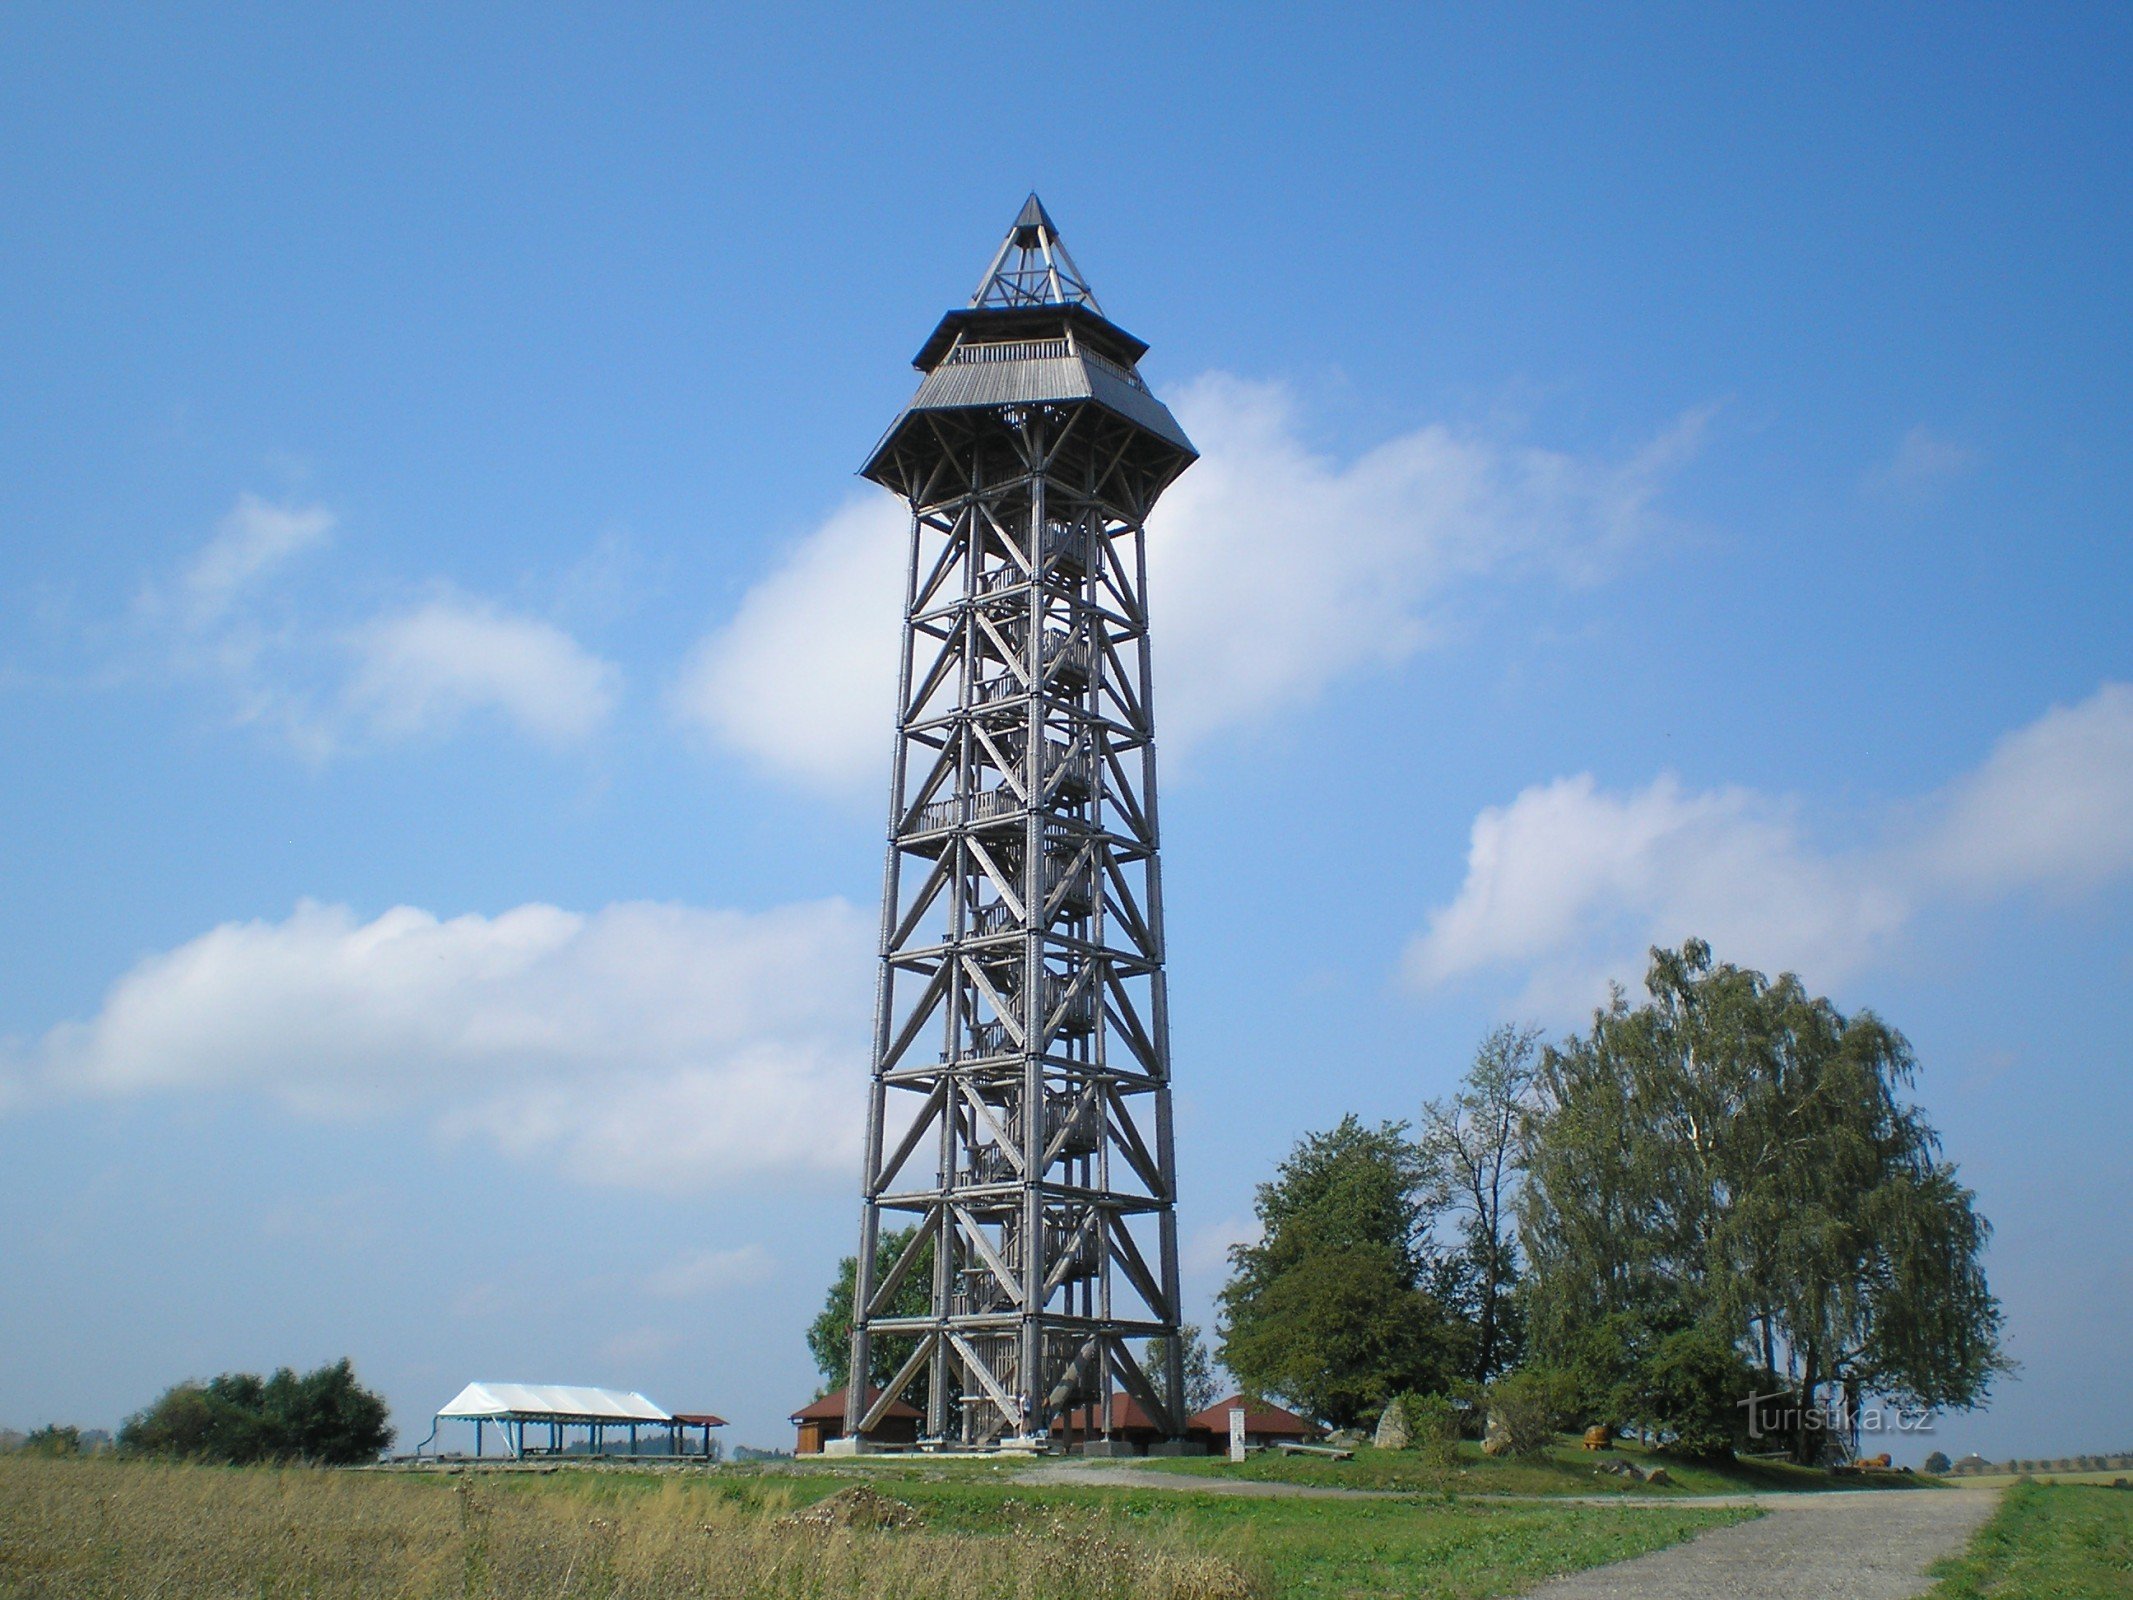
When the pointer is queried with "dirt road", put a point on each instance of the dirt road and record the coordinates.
(1860, 1546)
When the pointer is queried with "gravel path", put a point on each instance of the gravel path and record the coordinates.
(1858, 1546)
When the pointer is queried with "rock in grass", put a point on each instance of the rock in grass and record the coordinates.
(1393, 1432)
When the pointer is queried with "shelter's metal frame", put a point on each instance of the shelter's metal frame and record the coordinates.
(1019, 1111)
(511, 1428)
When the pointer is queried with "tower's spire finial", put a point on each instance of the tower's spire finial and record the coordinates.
(1033, 267)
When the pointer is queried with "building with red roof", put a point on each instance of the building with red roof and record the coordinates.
(823, 1420)
(1264, 1424)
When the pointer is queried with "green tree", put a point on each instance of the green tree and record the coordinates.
(53, 1439)
(1690, 1388)
(185, 1422)
(1472, 1150)
(829, 1336)
(324, 1416)
(1328, 1310)
(1737, 1156)
(1201, 1387)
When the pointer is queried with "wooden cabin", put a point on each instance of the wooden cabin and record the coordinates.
(823, 1420)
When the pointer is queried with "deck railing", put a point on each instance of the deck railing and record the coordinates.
(1041, 350)
(1010, 350)
(957, 808)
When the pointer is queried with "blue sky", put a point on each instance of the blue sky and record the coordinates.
(1666, 472)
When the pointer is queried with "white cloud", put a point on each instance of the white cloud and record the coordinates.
(2051, 808)
(219, 618)
(1922, 462)
(1570, 883)
(1575, 884)
(423, 670)
(707, 1271)
(1275, 571)
(649, 1045)
(802, 679)
(255, 537)
(232, 616)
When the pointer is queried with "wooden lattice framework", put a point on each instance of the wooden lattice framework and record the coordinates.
(1019, 1110)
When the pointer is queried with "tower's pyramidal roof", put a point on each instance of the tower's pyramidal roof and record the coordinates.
(1033, 268)
(1032, 335)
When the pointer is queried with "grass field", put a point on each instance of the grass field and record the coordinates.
(2047, 1540)
(1566, 1469)
(101, 1529)
(2001, 1480)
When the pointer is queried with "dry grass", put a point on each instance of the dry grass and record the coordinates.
(88, 1530)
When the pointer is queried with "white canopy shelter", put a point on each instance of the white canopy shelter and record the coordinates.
(553, 1410)
(550, 1402)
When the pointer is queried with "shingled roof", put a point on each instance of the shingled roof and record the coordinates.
(830, 1408)
(1260, 1416)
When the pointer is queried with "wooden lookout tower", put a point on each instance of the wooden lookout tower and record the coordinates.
(1019, 1111)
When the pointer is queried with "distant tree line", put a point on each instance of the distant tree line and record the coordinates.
(56, 1439)
(324, 1417)
(1718, 1195)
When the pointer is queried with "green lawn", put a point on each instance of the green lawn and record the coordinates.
(2047, 1540)
(1566, 1469)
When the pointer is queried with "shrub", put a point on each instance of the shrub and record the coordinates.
(1693, 1387)
(1937, 1463)
(323, 1416)
(1527, 1409)
(1432, 1427)
(54, 1439)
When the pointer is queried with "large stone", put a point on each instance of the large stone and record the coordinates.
(1393, 1432)
(1495, 1437)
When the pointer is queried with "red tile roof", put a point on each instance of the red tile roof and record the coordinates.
(1260, 1416)
(830, 1408)
(699, 1419)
